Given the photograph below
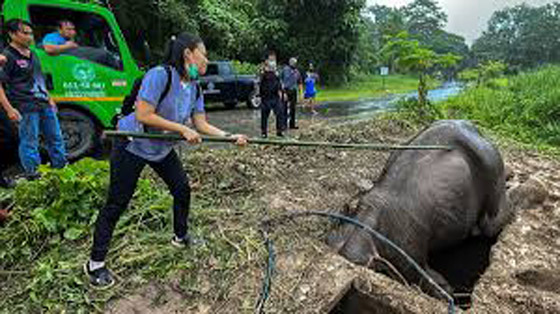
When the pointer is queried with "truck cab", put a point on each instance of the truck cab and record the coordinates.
(87, 88)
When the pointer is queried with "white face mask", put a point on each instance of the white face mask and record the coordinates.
(271, 65)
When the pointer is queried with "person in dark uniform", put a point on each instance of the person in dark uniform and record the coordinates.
(271, 93)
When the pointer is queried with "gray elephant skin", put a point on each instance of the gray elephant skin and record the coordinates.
(425, 201)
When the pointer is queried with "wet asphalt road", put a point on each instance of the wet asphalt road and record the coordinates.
(247, 121)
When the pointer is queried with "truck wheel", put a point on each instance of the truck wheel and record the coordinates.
(254, 101)
(79, 132)
(230, 104)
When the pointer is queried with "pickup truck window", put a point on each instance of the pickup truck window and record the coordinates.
(212, 69)
(225, 69)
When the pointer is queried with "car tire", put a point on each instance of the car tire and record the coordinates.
(79, 132)
(254, 101)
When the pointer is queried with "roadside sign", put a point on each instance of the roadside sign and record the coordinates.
(384, 71)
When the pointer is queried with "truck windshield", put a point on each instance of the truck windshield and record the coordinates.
(93, 34)
(226, 68)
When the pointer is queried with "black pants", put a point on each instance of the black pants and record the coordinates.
(291, 105)
(276, 105)
(125, 171)
(9, 142)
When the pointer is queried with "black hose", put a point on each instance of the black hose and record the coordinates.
(410, 260)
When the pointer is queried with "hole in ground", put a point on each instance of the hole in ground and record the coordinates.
(357, 302)
(463, 265)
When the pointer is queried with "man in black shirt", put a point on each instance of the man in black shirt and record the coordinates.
(26, 101)
(271, 91)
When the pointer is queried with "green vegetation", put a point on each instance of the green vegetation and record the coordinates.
(484, 72)
(524, 107)
(325, 32)
(368, 87)
(47, 239)
(245, 68)
(522, 36)
(410, 55)
(336, 36)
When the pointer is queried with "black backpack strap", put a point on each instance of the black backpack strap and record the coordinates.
(167, 85)
(198, 92)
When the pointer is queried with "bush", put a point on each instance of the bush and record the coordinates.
(411, 110)
(524, 107)
(245, 68)
(484, 73)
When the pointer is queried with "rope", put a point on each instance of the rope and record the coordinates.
(217, 139)
(410, 260)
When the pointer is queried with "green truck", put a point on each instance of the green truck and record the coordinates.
(89, 92)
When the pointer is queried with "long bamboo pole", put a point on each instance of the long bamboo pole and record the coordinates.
(217, 139)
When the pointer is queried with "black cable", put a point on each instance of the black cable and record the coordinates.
(269, 272)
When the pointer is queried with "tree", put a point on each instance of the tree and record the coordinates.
(483, 72)
(387, 22)
(329, 33)
(424, 18)
(325, 32)
(522, 36)
(409, 54)
(424, 21)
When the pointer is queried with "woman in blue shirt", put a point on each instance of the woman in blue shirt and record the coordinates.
(310, 93)
(186, 58)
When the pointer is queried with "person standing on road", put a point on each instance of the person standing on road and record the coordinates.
(271, 93)
(27, 101)
(186, 59)
(292, 85)
(310, 92)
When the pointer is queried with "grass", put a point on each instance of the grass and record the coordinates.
(49, 235)
(370, 87)
(523, 107)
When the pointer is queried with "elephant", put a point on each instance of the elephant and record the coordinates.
(428, 200)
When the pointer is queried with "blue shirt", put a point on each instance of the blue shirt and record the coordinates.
(54, 39)
(178, 106)
(310, 81)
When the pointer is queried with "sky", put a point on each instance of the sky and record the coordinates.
(468, 18)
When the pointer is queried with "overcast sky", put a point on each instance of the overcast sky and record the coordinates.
(467, 18)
